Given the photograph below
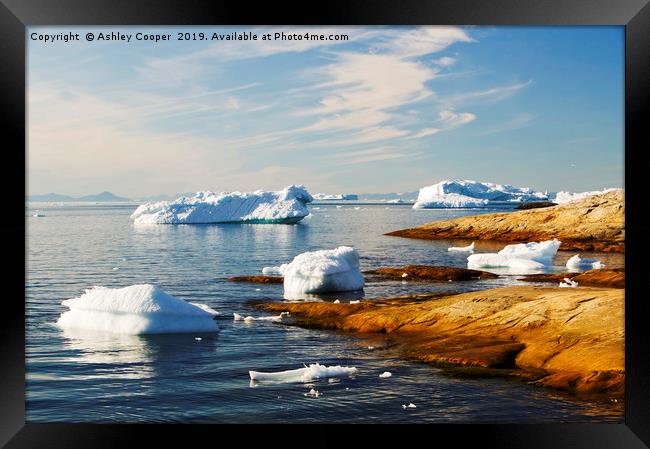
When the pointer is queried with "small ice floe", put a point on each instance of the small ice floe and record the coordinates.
(405, 275)
(38, 215)
(313, 393)
(116, 268)
(355, 302)
(411, 405)
(568, 283)
(307, 374)
(462, 249)
(578, 263)
(339, 207)
(520, 258)
(315, 208)
(337, 302)
(248, 319)
(135, 310)
(385, 374)
(258, 289)
(333, 380)
(198, 338)
(357, 208)
(371, 347)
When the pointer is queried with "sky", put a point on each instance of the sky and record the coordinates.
(391, 109)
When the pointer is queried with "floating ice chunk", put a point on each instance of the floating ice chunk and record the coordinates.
(542, 252)
(405, 275)
(385, 374)
(339, 207)
(198, 338)
(116, 268)
(285, 206)
(307, 374)
(462, 249)
(337, 302)
(491, 260)
(411, 405)
(577, 263)
(334, 270)
(395, 201)
(313, 393)
(520, 258)
(275, 319)
(568, 197)
(38, 215)
(355, 302)
(568, 283)
(270, 271)
(467, 193)
(134, 310)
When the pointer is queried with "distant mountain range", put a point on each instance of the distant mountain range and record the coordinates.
(55, 197)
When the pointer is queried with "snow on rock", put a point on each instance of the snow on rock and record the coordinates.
(462, 249)
(520, 258)
(567, 197)
(568, 283)
(467, 193)
(307, 374)
(578, 263)
(275, 319)
(334, 270)
(135, 310)
(285, 206)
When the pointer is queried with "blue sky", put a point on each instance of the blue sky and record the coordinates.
(391, 110)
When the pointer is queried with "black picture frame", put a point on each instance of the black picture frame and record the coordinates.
(16, 15)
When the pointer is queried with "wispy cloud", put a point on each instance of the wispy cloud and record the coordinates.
(520, 121)
(493, 94)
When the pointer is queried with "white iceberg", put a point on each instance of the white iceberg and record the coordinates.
(567, 197)
(275, 319)
(307, 374)
(578, 263)
(335, 270)
(286, 206)
(519, 259)
(568, 283)
(385, 374)
(462, 249)
(467, 193)
(411, 405)
(313, 393)
(135, 310)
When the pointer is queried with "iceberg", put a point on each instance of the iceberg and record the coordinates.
(567, 197)
(462, 249)
(285, 206)
(135, 310)
(519, 258)
(578, 263)
(466, 193)
(385, 374)
(307, 374)
(335, 270)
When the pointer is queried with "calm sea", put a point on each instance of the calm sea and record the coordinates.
(81, 377)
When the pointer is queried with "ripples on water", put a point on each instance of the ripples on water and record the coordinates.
(84, 377)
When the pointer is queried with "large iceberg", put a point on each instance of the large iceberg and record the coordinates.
(567, 197)
(467, 193)
(286, 206)
(519, 258)
(334, 270)
(135, 310)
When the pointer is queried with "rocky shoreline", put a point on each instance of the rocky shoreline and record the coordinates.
(595, 223)
(568, 339)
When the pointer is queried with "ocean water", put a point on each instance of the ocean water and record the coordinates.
(85, 377)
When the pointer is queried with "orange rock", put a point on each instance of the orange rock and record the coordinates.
(430, 273)
(595, 223)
